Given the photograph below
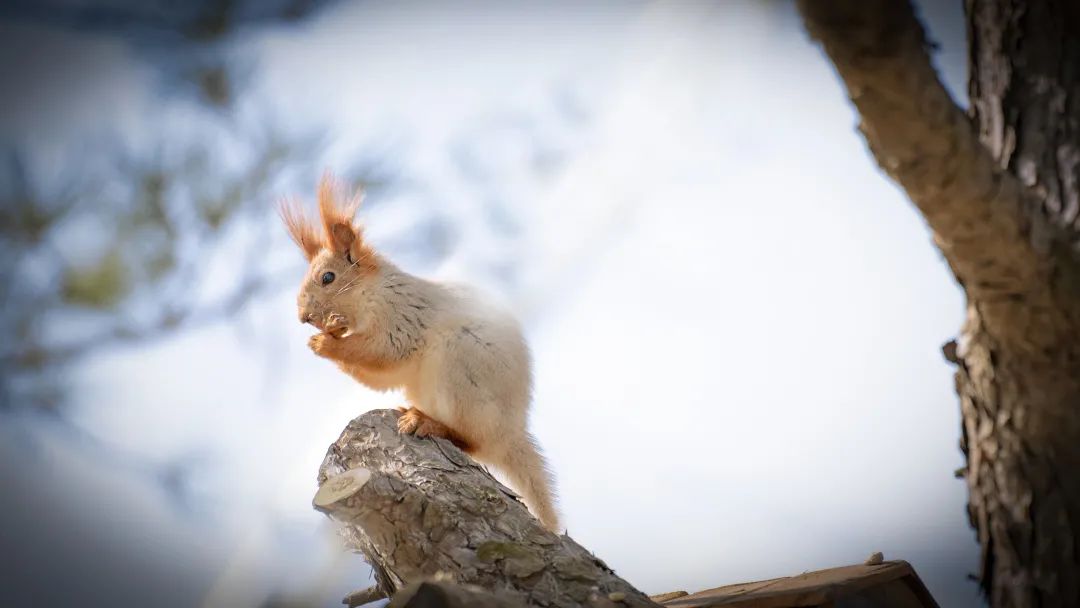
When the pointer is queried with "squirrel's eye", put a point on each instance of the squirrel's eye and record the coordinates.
(327, 278)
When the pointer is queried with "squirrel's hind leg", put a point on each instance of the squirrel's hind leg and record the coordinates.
(414, 422)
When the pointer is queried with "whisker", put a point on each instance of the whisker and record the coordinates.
(348, 286)
(351, 283)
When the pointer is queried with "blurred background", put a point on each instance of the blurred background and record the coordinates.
(736, 318)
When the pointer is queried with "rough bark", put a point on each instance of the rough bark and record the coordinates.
(420, 508)
(1025, 95)
(1001, 200)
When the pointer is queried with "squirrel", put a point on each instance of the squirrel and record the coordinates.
(464, 367)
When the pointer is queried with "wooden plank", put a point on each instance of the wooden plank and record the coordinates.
(804, 590)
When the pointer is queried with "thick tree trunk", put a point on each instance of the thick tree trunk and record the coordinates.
(1002, 201)
(1020, 389)
(420, 508)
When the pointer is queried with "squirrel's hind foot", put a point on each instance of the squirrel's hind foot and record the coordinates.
(414, 422)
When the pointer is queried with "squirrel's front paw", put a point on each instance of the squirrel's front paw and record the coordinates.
(320, 344)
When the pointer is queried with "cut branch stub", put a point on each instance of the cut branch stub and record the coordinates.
(340, 487)
(419, 508)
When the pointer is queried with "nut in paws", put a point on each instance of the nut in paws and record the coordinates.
(337, 325)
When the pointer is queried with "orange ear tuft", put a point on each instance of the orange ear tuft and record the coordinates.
(341, 234)
(331, 212)
(300, 227)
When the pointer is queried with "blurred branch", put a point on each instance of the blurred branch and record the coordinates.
(119, 335)
(925, 142)
(364, 596)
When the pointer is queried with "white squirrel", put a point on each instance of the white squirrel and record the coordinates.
(464, 367)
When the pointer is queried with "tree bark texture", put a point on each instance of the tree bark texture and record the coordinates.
(999, 189)
(419, 508)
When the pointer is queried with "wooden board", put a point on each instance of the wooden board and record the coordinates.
(820, 588)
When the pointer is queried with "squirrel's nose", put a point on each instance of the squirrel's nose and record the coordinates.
(305, 317)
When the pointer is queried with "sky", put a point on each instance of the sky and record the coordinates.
(736, 319)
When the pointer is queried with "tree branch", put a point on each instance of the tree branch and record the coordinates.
(364, 596)
(980, 216)
(420, 508)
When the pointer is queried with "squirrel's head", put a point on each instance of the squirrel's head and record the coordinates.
(342, 266)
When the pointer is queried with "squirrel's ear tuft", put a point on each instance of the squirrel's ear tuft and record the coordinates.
(333, 214)
(342, 236)
(300, 227)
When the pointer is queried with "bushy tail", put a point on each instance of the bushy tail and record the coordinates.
(528, 473)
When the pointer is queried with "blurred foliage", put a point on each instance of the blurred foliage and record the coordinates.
(116, 257)
(186, 41)
(101, 286)
(109, 250)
